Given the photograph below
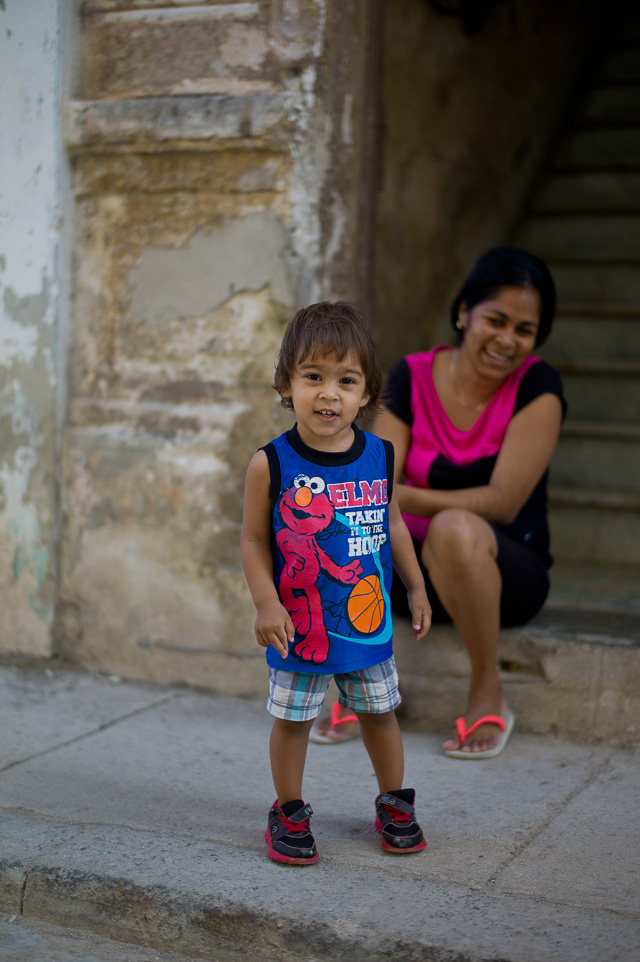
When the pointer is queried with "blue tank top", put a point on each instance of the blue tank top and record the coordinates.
(332, 553)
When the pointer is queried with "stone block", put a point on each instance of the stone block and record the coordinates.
(169, 51)
(215, 172)
(600, 462)
(217, 120)
(592, 338)
(583, 532)
(588, 191)
(599, 148)
(601, 392)
(618, 105)
(592, 238)
(556, 684)
(601, 290)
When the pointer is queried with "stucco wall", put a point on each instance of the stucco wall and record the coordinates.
(30, 164)
(468, 121)
(215, 151)
(219, 180)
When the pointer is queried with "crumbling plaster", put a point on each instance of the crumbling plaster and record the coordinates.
(216, 191)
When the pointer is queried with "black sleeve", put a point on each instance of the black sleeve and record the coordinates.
(274, 471)
(541, 378)
(391, 457)
(397, 393)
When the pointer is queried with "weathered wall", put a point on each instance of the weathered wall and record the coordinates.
(30, 164)
(221, 176)
(215, 157)
(468, 121)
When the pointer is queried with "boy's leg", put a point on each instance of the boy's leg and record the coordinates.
(295, 698)
(288, 751)
(395, 813)
(373, 695)
(383, 741)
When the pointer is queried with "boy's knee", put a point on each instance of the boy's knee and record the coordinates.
(292, 726)
(377, 719)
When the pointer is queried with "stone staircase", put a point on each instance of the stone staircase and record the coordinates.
(575, 669)
(584, 220)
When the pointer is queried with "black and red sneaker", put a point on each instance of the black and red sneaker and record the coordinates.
(288, 835)
(396, 822)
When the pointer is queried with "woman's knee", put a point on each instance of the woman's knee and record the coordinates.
(459, 537)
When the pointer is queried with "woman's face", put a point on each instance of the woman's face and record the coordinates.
(500, 332)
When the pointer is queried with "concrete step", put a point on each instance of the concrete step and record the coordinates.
(615, 148)
(594, 525)
(604, 238)
(593, 338)
(625, 26)
(568, 192)
(590, 586)
(598, 455)
(611, 105)
(597, 289)
(572, 669)
(563, 670)
(596, 391)
(622, 65)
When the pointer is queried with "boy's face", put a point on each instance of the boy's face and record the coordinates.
(327, 397)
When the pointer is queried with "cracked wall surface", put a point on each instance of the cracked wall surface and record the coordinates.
(214, 150)
(224, 162)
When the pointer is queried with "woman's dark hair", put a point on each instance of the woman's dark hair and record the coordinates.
(330, 328)
(508, 267)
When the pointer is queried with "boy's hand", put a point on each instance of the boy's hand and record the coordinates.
(274, 627)
(420, 612)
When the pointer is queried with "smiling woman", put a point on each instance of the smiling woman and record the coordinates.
(474, 428)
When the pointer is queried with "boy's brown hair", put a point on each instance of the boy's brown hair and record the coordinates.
(328, 327)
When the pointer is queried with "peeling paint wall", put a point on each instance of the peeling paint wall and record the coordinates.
(30, 160)
(215, 153)
(221, 174)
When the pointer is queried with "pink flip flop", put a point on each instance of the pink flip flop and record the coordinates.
(335, 720)
(504, 724)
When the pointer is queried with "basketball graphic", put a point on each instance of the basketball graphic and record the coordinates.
(365, 606)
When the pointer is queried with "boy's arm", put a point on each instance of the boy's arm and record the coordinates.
(273, 625)
(406, 564)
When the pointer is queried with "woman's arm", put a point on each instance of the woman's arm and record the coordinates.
(525, 454)
(273, 625)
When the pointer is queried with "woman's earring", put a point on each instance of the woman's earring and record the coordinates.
(460, 325)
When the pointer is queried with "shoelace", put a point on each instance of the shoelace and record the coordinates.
(398, 818)
(293, 828)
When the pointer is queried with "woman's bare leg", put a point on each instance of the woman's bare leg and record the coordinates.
(460, 555)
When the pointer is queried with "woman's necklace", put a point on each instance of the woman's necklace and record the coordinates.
(481, 405)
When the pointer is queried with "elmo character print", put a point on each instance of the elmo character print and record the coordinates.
(306, 512)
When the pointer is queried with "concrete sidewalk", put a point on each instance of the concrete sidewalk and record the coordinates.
(138, 812)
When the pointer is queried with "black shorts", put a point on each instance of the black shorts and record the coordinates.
(525, 584)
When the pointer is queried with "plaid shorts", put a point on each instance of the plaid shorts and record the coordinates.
(299, 696)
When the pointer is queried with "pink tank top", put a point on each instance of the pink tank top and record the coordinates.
(433, 434)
